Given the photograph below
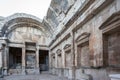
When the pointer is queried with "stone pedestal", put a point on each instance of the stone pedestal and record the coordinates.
(37, 71)
(23, 72)
(114, 76)
(81, 75)
(72, 73)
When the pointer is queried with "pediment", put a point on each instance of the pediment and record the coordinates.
(82, 36)
(67, 46)
(53, 55)
(59, 51)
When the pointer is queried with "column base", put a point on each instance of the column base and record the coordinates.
(72, 73)
(23, 72)
(5, 72)
(37, 71)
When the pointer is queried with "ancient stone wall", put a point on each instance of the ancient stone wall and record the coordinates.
(82, 31)
(18, 31)
(27, 34)
(82, 35)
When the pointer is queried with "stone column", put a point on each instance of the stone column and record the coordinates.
(72, 69)
(1, 61)
(23, 61)
(50, 65)
(37, 60)
(50, 59)
(5, 59)
(56, 61)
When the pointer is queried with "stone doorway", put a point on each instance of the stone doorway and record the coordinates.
(43, 60)
(15, 58)
(83, 55)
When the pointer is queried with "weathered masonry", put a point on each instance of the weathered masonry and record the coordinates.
(77, 39)
(86, 43)
(23, 45)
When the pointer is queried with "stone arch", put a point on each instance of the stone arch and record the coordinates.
(13, 27)
(20, 18)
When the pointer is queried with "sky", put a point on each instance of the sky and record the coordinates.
(37, 8)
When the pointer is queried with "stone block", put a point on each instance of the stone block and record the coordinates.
(114, 76)
(97, 74)
(66, 72)
(82, 76)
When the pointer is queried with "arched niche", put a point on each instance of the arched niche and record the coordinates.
(111, 41)
(59, 58)
(83, 52)
(68, 56)
(53, 60)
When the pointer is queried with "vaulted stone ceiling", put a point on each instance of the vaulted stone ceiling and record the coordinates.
(56, 13)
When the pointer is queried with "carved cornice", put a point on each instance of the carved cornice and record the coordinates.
(65, 38)
(88, 17)
(111, 23)
(81, 10)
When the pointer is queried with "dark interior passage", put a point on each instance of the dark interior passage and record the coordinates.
(15, 58)
(43, 60)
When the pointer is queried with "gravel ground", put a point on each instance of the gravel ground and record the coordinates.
(43, 76)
